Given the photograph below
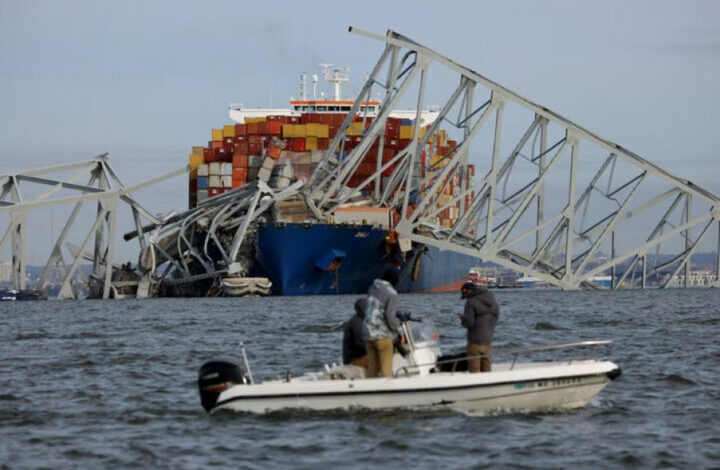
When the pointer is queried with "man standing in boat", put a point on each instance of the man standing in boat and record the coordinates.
(381, 323)
(480, 316)
(354, 347)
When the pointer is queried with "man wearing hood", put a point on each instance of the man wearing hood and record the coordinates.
(354, 348)
(480, 316)
(381, 324)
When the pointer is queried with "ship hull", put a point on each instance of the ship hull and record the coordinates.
(318, 259)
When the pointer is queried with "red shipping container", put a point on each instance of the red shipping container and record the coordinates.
(240, 130)
(236, 183)
(392, 132)
(240, 148)
(240, 161)
(215, 144)
(280, 119)
(297, 144)
(228, 140)
(471, 170)
(252, 128)
(223, 155)
(212, 192)
(256, 139)
(274, 127)
(206, 155)
(255, 148)
(293, 120)
(323, 144)
(240, 173)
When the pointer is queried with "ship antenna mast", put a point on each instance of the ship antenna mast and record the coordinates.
(337, 77)
(303, 86)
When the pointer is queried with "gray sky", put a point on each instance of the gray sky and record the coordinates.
(145, 81)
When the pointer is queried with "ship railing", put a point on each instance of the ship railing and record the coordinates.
(413, 369)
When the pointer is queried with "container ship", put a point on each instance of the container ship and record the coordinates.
(342, 254)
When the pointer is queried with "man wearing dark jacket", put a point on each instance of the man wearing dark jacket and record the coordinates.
(480, 316)
(354, 351)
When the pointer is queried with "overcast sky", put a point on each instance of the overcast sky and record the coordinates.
(145, 81)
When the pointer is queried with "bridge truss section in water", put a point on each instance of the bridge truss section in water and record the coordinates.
(72, 185)
(552, 200)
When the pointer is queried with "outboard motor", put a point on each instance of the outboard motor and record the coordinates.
(218, 375)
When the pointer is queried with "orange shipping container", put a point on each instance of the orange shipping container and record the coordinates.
(240, 161)
(236, 183)
(239, 173)
(274, 127)
(274, 151)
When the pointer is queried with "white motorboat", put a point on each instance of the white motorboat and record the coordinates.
(422, 379)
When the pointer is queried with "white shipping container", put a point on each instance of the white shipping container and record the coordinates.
(226, 181)
(214, 181)
(202, 169)
(202, 195)
(214, 169)
(226, 169)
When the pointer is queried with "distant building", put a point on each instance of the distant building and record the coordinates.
(6, 271)
(696, 279)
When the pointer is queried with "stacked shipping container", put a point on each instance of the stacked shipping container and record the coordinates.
(238, 153)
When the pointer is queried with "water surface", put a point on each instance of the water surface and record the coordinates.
(112, 384)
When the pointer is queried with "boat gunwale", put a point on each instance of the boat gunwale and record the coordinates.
(355, 392)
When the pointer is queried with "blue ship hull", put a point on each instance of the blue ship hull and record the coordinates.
(316, 259)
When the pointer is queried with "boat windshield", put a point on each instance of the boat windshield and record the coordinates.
(424, 332)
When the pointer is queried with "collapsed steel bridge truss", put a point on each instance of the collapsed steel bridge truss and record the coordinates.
(552, 200)
(92, 181)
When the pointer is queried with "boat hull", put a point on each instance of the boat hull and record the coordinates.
(297, 258)
(547, 388)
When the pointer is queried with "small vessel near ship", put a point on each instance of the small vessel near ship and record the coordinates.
(422, 379)
(22, 294)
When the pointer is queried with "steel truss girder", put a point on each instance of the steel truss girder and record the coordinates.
(566, 243)
(103, 188)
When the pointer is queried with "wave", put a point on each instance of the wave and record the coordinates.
(547, 326)
(679, 379)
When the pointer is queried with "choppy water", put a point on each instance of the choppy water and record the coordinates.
(96, 384)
